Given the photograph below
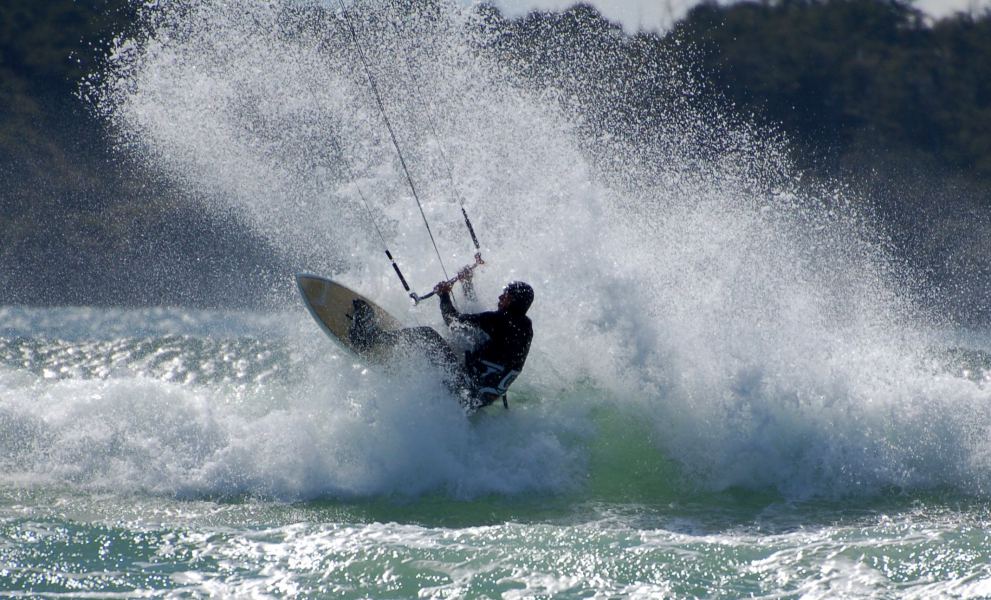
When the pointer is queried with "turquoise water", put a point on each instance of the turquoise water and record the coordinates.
(182, 465)
(157, 547)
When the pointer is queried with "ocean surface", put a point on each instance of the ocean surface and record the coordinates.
(734, 389)
(181, 453)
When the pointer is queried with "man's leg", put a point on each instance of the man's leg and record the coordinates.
(427, 341)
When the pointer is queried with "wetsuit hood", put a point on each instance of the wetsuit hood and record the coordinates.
(521, 297)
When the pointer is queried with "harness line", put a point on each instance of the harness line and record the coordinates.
(368, 209)
(395, 141)
(432, 124)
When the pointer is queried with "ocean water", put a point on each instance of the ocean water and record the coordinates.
(734, 389)
(180, 453)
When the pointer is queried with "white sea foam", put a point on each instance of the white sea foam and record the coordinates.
(335, 428)
(759, 329)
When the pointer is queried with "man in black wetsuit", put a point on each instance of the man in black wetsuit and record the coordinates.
(501, 342)
(502, 337)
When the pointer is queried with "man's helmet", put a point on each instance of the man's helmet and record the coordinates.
(521, 296)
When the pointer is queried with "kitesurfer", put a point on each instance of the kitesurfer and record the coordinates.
(500, 341)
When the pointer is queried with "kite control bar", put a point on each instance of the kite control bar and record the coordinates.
(462, 275)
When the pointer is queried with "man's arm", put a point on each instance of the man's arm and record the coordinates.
(447, 308)
(451, 313)
(443, 291)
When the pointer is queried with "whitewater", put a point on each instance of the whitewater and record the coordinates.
(733, 389)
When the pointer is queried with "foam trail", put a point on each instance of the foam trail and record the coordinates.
(759, 329)
(183, 427)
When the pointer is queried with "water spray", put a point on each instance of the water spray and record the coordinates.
(465, 272)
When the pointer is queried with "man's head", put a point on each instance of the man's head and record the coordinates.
(516, 297)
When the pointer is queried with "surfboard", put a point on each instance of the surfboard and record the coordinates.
(331, 304)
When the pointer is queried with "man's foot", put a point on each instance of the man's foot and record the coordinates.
(364, 330)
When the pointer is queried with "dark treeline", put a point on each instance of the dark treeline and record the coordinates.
(839, 77)
(868, 92)
(848, 76)
(80, 223)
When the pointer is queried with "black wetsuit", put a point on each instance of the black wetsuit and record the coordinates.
(489, 368)
(498, 357)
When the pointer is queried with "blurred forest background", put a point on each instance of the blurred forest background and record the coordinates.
(872, 93)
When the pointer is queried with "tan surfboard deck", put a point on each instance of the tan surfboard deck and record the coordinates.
(330, 303)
